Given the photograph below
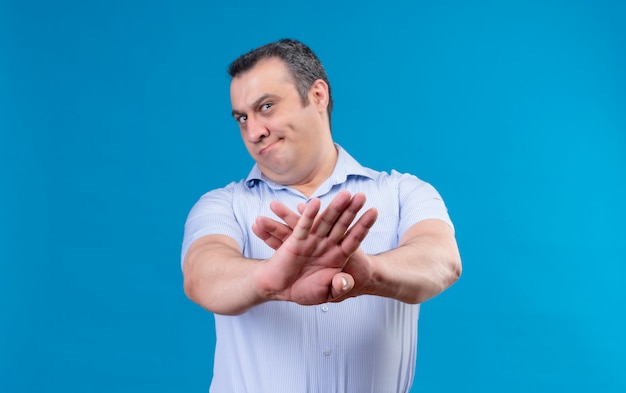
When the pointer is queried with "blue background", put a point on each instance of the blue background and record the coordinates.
(114, 119)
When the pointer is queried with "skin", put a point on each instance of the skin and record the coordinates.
(318, 258)
(291, 143)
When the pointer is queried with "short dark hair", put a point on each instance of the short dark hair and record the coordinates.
(305, 67)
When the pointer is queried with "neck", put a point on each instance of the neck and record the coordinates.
(327, 159)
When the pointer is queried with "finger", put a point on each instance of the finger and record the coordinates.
(328, 218)
(347, 216)
(285, 213)
(267, 237)
(275, 228)
(341, 284)
(272, 232)
(355, 235)
(302, 229)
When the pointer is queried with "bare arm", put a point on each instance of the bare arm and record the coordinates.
(425, 263)
(218, 277)
(306, 267)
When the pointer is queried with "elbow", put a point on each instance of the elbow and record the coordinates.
(197, 293)
(191, 290)
(454, 268)
(455, 271)
(451, 266)
(188, 288)
(190, 282)
(200, 293)
(197, 287)
(449, 273)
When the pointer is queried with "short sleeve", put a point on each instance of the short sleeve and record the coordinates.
(212, 214)
(419, 201)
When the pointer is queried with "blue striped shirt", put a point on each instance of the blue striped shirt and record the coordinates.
(363, 344)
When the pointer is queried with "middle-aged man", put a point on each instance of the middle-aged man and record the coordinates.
(313, 265)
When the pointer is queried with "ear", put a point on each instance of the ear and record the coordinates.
(318, 94)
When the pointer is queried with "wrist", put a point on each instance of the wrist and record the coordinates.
(379, 283)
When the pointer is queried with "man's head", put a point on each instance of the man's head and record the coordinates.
(304, 66)
(285, 131)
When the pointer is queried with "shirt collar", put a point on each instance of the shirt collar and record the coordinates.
(346, 166)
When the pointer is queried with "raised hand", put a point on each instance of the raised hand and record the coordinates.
(312, 249)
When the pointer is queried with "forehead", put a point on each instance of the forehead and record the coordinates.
(268, 76)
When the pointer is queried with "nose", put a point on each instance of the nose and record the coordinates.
(256, 130)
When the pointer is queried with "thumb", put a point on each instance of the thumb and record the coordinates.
(341, 284)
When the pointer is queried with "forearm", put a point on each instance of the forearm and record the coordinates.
(424, 265)
(218, 278)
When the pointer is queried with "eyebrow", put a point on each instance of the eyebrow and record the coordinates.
(255, 104)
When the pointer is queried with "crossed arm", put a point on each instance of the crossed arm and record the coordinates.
(318, 259)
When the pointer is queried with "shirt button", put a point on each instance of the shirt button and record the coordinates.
(325, 308)
(327, 351)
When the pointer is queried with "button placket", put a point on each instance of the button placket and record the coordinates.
(326, 349)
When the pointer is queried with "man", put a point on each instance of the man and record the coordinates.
(313, 265)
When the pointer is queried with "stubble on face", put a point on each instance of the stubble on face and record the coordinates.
(290, 151)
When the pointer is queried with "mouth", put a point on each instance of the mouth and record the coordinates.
(268, 147)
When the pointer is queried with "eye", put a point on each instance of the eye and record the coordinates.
(265, 107)
(242, 119)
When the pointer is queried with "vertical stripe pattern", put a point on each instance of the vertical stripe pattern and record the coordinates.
(364, 344)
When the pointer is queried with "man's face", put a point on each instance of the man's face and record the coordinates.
(282, 135)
